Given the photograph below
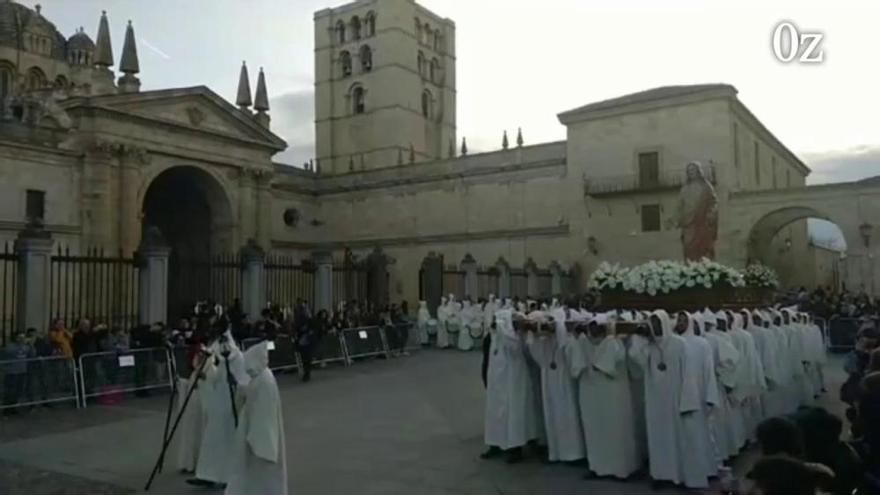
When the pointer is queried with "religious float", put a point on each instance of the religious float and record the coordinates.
(690, 286)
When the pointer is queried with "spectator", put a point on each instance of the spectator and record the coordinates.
(857, 362)
(40, 371)
(821, 432)
(83, 339)
(61, 338)
(783, 475)
(15, 371)
(305, 339)
(780, 436)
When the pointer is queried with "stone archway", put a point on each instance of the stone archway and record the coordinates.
(762, 233)
(192, 211)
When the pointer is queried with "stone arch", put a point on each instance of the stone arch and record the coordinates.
(204, 190)
(765, 229)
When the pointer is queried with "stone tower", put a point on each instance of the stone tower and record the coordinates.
(384, 85)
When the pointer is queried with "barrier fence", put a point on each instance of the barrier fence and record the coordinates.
(30, 382)
(107, 376)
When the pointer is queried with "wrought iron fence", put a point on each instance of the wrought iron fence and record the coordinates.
(8, 281)
(349, 282)
(94, 285)
(519, 284)
(288, 280)
(453, 282)
(487, 283)
(216, 278)
(545, 284)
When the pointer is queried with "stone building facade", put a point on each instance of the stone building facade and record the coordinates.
(97, 159)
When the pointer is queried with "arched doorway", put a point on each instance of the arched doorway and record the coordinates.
(191, 209)
(805, 247)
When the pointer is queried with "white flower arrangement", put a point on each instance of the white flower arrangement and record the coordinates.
(664, 276)
(762, 276)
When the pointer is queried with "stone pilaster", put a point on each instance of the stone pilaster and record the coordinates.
(503, 278)
(34, 249)
(469, 267)
(323, 298)
(253, 279)
(531, 278)
(556, 279)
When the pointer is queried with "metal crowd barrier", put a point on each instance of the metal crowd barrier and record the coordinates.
(330, 349)
(822, 323)
(365, 342)
(36, 381)
(400, 337)
(842, 333)
(282, 353)
(110, 374)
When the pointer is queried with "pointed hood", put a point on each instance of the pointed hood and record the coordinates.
(256, 359)
(665, 323)
(737, 321)
(261, 100)
(129, 63)
(243, 99)
(103, 47)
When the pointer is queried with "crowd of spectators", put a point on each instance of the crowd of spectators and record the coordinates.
(827, 303)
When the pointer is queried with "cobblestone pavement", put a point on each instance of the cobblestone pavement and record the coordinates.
(409, 425)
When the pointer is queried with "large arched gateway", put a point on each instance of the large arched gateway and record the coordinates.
(192, 211)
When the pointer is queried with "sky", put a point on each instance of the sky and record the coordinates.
(521, 62)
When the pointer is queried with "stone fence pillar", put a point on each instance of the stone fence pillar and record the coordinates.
(253, 279)
(503, 278)
(556, 280)
(323, 296)
(531, 279)
(152, 257)
(34, 249)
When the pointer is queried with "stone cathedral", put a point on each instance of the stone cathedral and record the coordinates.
(94, 159)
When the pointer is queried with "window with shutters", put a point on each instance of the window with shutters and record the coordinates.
(35, 207)
(650, 218)
(649, 169)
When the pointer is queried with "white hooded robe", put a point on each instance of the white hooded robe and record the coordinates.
(422, 322)
(442, 319)
(259, 460)
(467, 317)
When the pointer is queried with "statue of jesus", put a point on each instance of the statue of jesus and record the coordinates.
(698, 215)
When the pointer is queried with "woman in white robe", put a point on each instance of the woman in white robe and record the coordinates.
(778, 398)
(599, 364)
(509, 392)
(699, 368)
(422, 322)
(442, 320)
(467, 319)
(669, 398)
(801, 394)
(552, 351)
(213, 463)
(726, 359)
(768, 351)
(453, 321)
(489, 311)
(259, 460)
(816, 355)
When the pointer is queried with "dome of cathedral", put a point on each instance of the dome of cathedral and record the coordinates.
(80, 41)
(16, 20)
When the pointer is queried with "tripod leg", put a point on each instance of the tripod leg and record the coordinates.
(177, 420)
(171, 401)
(230, 380)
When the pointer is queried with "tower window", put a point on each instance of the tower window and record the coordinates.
(650, 218)
(345, 63)
(428, 34)
(61, 82)
(358, 96)
(418, 30)
(371, 23)
(421, 63)
(438, 41)
(355, 28)
(366, 58)
(340, 32)
(36, 79)
(427, 104)
(35, 206)
(435, 71)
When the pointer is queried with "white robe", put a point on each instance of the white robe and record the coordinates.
(607, 412)
(259, 460)
(191, 425)
(700, 368)
(467, 319)
(816, 356)
(422, 322)
(668, 396)
(509, 391)
(565, 440)
(778, 401)
(213, 464)
(442, 318)
(767, 350)
(724, 422)
(750, 384)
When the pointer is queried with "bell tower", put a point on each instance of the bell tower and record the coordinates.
(384, 86)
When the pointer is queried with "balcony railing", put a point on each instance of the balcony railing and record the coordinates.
(634, 184)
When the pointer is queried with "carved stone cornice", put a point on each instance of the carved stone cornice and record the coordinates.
(121, 150)
(258, 176)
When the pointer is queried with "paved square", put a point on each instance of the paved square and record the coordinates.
(409, 425)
